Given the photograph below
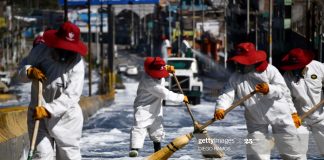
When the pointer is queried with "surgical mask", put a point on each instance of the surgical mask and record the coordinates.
(298, 73)
(64, 56)
(244, 69)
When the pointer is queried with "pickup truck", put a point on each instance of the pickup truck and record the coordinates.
(186, 70)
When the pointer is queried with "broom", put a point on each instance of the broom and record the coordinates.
(172, 147)
(202, 134)
(181, 141)
(35, 132)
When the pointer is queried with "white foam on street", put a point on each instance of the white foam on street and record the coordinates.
(106, 135)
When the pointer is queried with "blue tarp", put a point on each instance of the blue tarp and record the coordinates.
(99, 2)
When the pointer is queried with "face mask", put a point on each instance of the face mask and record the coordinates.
(64, 56)
(298, 73)
(244, 69)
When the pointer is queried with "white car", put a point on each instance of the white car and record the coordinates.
(122, 68)
(5, 77)
(132, 71)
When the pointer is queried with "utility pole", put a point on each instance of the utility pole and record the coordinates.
(89, 47)
(170, 27)
(225, 34)
(203, 15)
(193, 24)
(65, 11)
(132, 27)
(270, 30)
(102, 67)
(111, 35)
(248, 18)
(308, 16)
(180, 26)
(256, 30)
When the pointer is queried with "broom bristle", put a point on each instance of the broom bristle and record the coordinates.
(167, 151)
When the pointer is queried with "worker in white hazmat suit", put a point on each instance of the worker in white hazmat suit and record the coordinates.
(271, 106)
(165, 48)
(305, 77)
(148, 116)
(59, 65)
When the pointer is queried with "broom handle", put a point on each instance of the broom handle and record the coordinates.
(36, 127)
(189, 110)
(317, 106)
(237, 103)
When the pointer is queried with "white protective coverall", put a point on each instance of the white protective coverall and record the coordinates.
(185, 46)
(61, 94)
(164, 49)
(148, 116)
(273, 109)
(306, 93)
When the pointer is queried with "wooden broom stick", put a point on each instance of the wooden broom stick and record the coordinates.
(312, 110)
(216, 153)
(36, 127)
(237, 103)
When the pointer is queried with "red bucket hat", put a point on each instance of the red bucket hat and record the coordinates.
(245, 47)
(250, 57)
(154, 66)
(67, 38)
(296, 58)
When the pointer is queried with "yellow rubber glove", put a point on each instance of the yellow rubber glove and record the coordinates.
(185, 99)
(170, 68)
(262, 88)
(219, 114)
(36, 74)
(40, 113)
(296, 119)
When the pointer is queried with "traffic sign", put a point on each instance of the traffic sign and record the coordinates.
(99, 2)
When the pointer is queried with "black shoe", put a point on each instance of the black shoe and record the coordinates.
(157, 146)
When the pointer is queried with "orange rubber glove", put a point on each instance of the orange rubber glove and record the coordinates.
(185, 99)
(262, 88)
(170, 68)
(40, 113)
(296, 119)
(35, 73)
(219, 114)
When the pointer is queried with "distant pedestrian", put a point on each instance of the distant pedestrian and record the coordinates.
(166, 48)
(186, 47)
(57, 62)
(148, 116)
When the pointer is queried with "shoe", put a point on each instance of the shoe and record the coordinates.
(157, 146)
(133, 153)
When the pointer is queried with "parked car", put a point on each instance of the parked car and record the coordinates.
(5, 78)
(132, 71)
(122, 68)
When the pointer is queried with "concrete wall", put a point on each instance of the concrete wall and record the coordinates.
(14, 141)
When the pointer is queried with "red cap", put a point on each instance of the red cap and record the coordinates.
(250, 57)
(296, 58)
(245, 47)
(67, 38)
(154, 66)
